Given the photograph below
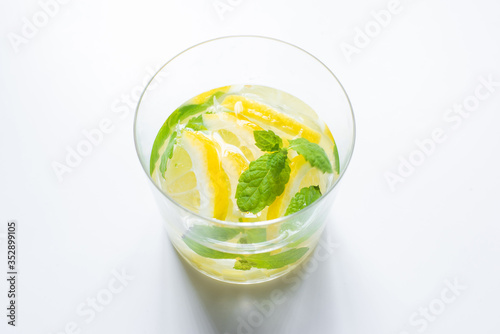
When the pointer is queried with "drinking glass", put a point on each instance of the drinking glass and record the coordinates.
(247, 60)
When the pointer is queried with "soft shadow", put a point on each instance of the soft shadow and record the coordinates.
(285, 305)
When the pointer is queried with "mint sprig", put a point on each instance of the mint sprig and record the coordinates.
(196, 123)
(263, 181)
(266, 177)
(267, 141)
(305, 197)
(313, 153)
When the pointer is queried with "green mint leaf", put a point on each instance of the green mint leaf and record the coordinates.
(192, 109)
(336, 166)
(263, 181)
(267, 261)
(215, 232)
(242, 264)
(177, 116)
(161, 137)
(169, 151)
(313, 153)
(261, 261)
(305, 197)
(207, 252)
(196, 123)
(277, 161)
(267, 141)
(252, 236)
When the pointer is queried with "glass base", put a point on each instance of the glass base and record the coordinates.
(222, 269)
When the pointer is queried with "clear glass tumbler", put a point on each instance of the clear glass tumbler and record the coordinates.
(211, 245)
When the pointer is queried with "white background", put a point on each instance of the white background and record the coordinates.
(396, 250)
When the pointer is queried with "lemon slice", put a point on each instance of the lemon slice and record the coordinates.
(195, 178)
(246, 108)
(234, 132)
(234, 164)
(237, 142)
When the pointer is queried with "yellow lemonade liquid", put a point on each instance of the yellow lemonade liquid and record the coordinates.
(208, 142)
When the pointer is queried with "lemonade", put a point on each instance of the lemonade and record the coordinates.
(244, 154)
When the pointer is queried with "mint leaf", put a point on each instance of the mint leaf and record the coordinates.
(267, 261)
(263, 181)
(248, 236)
(215, 232)
(191, 109)
(196, 123)
(177, 116)
(305, 197)
(313, 153)
(336, 167)
(262, 261)
(267, 141)
(252, 236)
(169, 151)
(277, 160)
(242, 264)
(207, 252)
(161, 137)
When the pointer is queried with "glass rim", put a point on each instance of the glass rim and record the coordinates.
(263, 222)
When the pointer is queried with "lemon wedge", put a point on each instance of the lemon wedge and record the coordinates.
(246, 108)
(195, 178)
(235, 132)
(234, 164)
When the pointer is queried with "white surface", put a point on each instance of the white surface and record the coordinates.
(395, 249)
